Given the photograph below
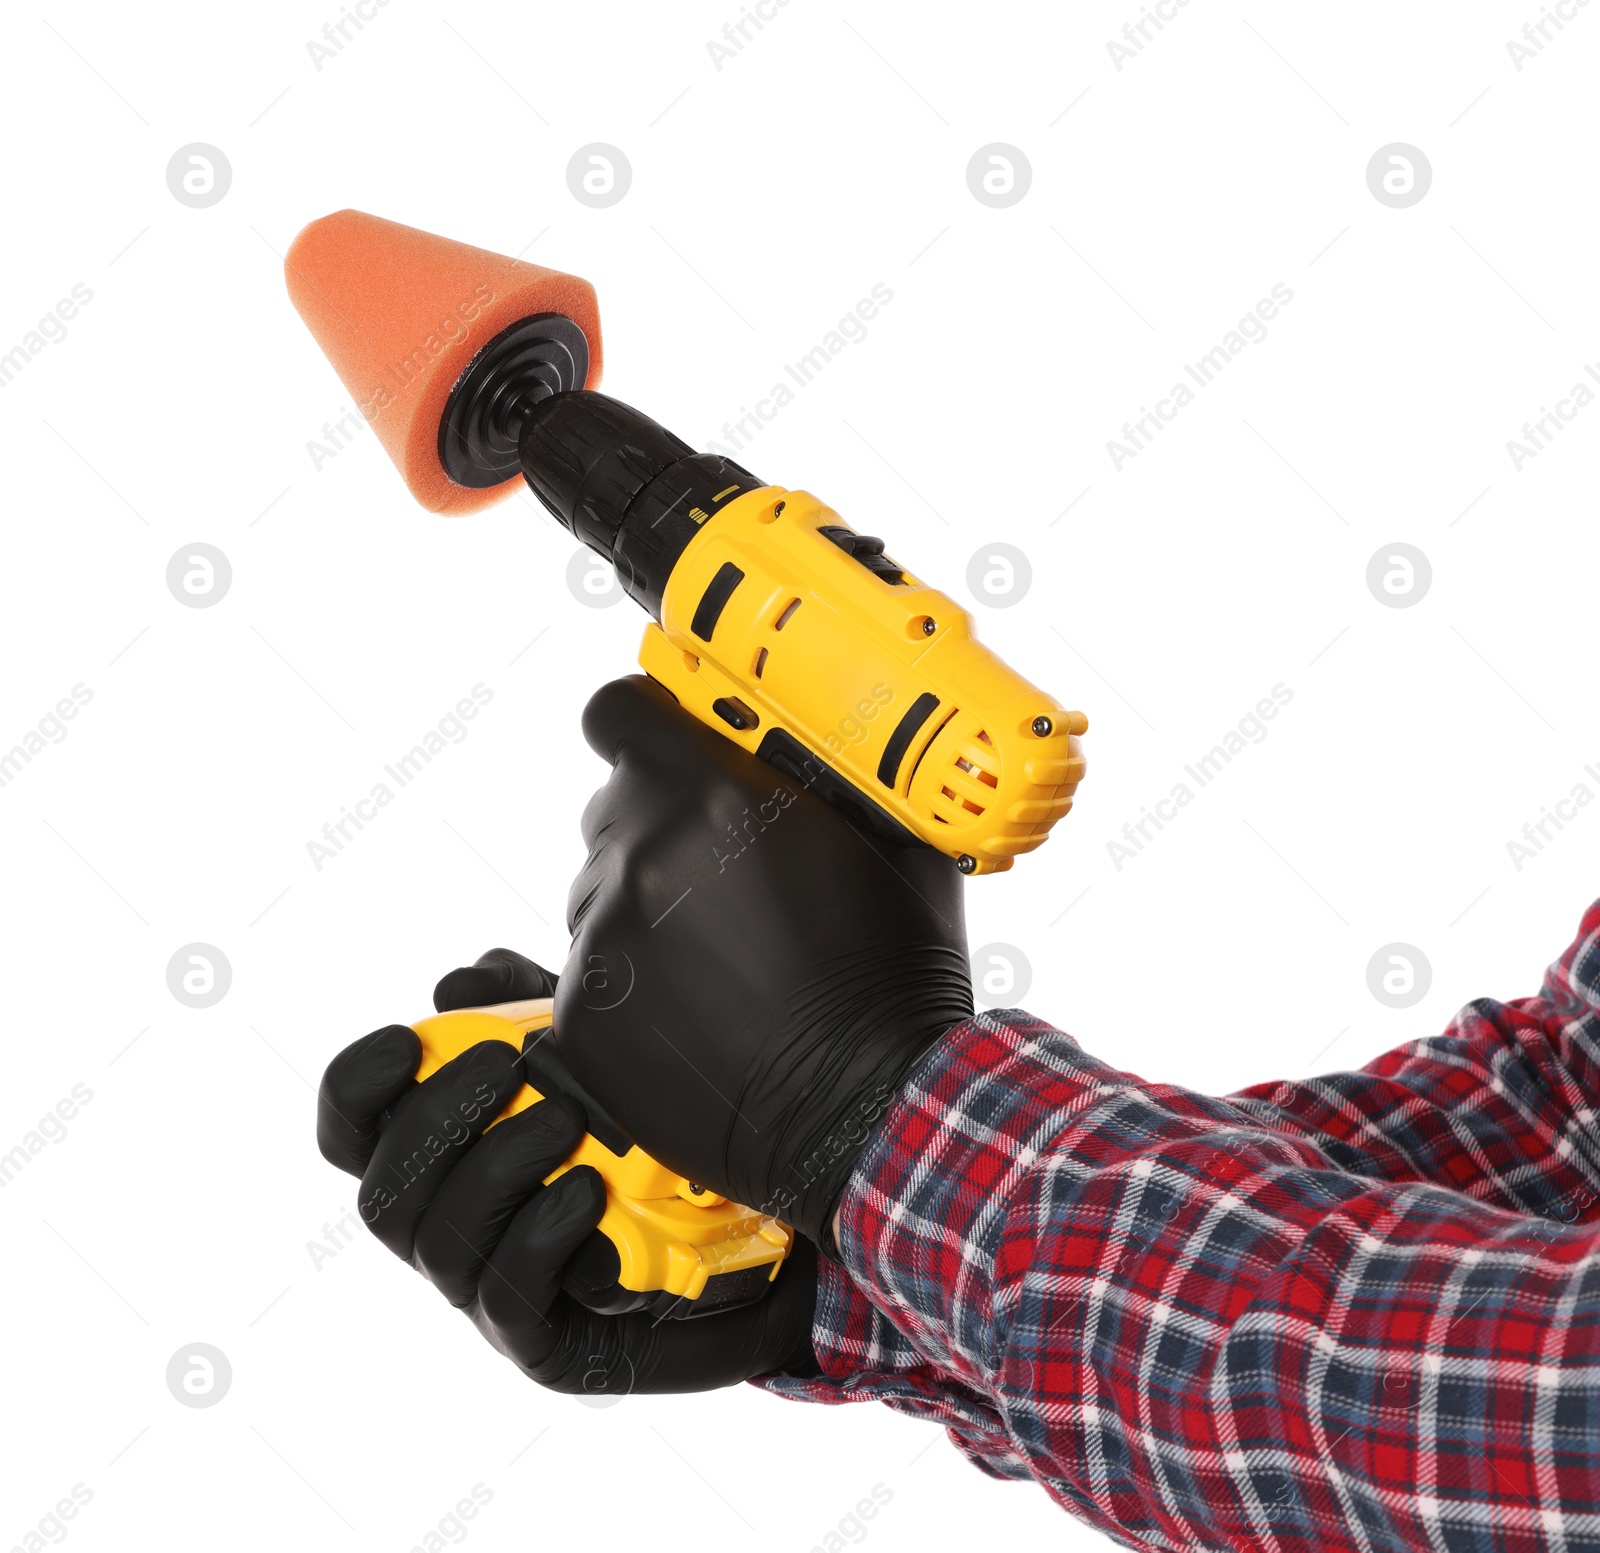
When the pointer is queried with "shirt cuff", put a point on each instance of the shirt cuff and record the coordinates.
(864, 1357)
(926, 1205)
(871, 1340)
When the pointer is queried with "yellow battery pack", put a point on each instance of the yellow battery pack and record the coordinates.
(682, 1249)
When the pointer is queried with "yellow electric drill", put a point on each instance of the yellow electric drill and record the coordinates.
(772, 621)
(799, 639)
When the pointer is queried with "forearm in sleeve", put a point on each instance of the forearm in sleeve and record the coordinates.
(1199, 1325)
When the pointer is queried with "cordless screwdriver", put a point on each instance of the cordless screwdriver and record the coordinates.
(772, 620)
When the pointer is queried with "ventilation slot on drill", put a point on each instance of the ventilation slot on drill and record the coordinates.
(712, 602)
(964, 799)
(966, 803)
(988, 778)
(900, 740)
(788, 610)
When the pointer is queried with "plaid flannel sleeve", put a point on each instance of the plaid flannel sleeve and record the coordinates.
(1358, 1313)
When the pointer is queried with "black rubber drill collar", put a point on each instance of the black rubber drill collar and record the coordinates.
(536, 357)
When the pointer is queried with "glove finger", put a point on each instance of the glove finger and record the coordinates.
(585, 890)
(461, 1230)
(428, 1134)
(641, 1354)
(598, 816)
(641, 715)
(496, 976)
(360, 1084)
(519, 1292)
(708, 1352)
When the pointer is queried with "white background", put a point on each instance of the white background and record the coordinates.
(768, 196)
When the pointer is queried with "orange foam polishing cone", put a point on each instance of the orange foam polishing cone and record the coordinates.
(400, 313)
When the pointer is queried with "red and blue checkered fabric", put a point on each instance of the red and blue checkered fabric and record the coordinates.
(1355, 1312)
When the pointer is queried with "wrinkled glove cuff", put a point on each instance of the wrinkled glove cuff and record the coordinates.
(818, 1177)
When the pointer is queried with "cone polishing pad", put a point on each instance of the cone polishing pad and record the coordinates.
(444, 346)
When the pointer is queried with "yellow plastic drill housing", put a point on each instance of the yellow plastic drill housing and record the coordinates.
(883, 678)
(693, 1250)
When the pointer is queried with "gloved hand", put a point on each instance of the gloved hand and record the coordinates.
(468, 1211)
(751, 977)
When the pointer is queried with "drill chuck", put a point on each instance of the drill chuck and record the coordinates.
(623, 484)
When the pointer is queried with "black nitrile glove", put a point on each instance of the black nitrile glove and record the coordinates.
(751, 977)
(468, 1211)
